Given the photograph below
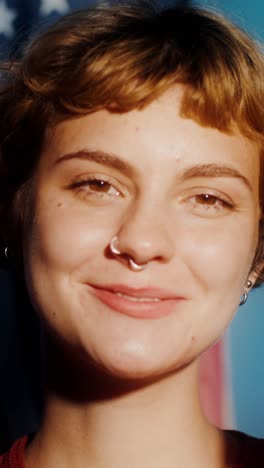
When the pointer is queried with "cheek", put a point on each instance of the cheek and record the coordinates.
(65, 234)
(219, 255)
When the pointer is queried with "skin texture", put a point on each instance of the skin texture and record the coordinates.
(193, 248)
(196, 229)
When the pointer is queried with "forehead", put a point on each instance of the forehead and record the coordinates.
(156, 135)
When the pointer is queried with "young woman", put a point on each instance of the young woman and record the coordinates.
(131, 205)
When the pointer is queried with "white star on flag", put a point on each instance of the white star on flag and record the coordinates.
(49, 6)
(7, 16)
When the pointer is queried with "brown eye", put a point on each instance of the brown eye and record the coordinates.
(96, 187)
(203, 203)
(99, 186)
(207, 199)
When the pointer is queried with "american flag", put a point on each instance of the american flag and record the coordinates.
(19, 17)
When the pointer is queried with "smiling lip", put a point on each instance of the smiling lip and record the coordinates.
(143, 303)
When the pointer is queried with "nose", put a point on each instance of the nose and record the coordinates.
(145, 235)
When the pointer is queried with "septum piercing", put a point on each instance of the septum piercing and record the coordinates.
(135, 266)
(132, 264)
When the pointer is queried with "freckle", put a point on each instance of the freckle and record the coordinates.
(59, 205)
(193, 338)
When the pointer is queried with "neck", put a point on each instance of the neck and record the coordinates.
(103, 421)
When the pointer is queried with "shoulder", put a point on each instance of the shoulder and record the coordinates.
(14, 457)
(249, 451)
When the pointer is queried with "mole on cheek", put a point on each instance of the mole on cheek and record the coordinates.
(59, 204)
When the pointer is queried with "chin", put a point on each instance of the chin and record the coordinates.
(130, 367)
(132, 372)
(136, 376)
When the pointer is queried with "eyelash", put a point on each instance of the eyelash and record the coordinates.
(210, 202)
(96, 181)
(203, 202)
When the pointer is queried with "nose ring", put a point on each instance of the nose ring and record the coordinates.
(132, 264)
(113, 246)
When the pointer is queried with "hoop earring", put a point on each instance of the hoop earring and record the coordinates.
(243, 298)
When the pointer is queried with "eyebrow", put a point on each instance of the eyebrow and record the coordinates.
(215, 170)
(100, 157)
(113, 161)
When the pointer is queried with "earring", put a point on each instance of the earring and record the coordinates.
(6, 253)
(243, 298)
(245, 294)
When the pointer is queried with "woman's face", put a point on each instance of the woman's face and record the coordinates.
(182, 199)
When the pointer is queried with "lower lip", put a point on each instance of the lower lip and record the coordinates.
(139, 310)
